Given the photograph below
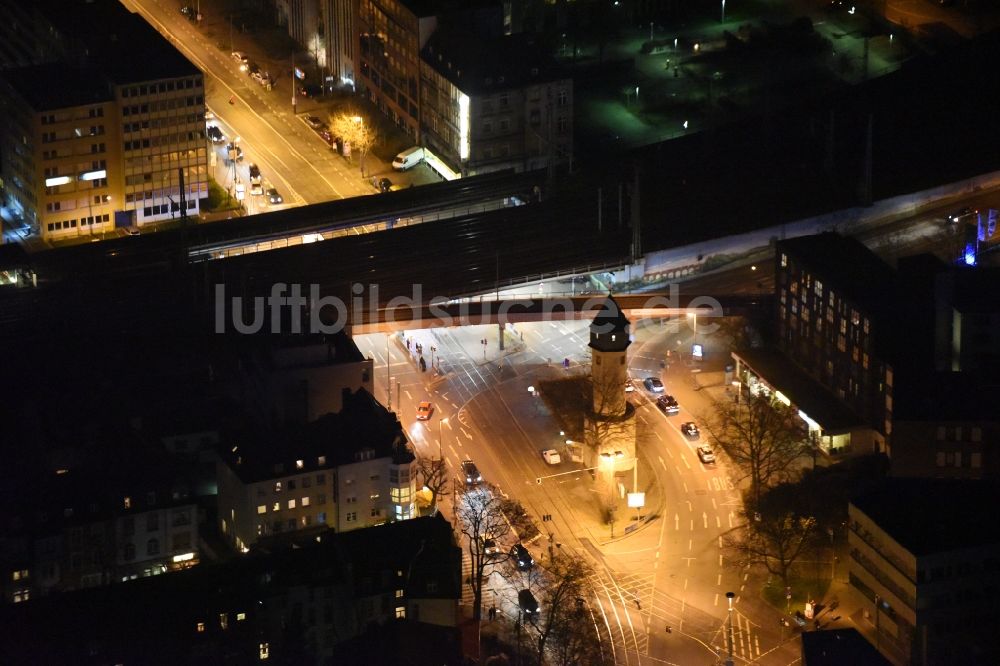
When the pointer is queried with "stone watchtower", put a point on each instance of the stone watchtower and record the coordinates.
(610, 425)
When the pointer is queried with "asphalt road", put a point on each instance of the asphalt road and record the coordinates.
(291, 155)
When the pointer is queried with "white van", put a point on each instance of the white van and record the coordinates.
(408, 159)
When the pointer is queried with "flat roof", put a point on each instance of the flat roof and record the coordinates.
(929, 516)
(122, 44)
(52, 86)
(805, 392)
(834, 647)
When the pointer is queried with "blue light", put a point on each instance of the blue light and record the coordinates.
(970, 255)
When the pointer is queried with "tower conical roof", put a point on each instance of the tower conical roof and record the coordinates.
(610, 318)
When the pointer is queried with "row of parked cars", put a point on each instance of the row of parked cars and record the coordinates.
(252, 69)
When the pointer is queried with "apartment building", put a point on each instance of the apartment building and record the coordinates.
(94, 528)
(149, 141)
(388, 594)
(343, 471)
(925, 558)
(491, 104)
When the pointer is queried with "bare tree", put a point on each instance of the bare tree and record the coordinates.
(434, 476)
(762, 436)
(479, 513)
(775, 540)
(563, 624)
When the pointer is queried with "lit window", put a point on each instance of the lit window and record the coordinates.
(265, 651)
(224, 620)
(277, 486)
(321, 461)
(291, 504)
(128, 502)
(201, 627)
(305, 501)
(240, 617)
(399, 594)
(400, 612)
(262, 508)
(276, 506)
(298, 464)
(21, 595)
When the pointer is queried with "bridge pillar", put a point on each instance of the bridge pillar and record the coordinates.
(500, 328)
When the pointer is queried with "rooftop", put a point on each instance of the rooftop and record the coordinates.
(928, 516)
(53, 86)
(802, 390)
(479, 65)
(362, 424)
(833, 647)
(122, 44)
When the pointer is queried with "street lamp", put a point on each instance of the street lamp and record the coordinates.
(729, 596)
(694, 315)
(723, 11)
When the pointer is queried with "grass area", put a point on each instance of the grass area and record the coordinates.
(803, 589)
(218, 198)
(568, 400)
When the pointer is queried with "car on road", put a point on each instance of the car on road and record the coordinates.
(690, 430)
(131, 231)
(490, 547)
(260, 77)
(471, 473)
(527, 602)
(327, 136)
(240, 57)
(256, 189)
(254, 173)
(384, 185)
(551, 456)
(214, 134)
(235, 153)
(315, 123)
(274, 197)
(667, 404)
(424, 411)
(653, 384)
(629, 386)
(521, 557)
(706, 455)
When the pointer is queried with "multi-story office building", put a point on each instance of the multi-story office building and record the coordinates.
(392, 34)
(925, 558)
(343, 471)
(492, 104)
(340, 20)
(148, 142)
(60, 137)
(899, 361)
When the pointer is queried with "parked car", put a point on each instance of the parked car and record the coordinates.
(667, 404)
(529, 605)
(240, 57)
(315, 123)
(235, 153)
(653, 384)
(471, 473)
(254, 173)
(384, 185)
(326, 136)
(551, 456)
(690, 430)
(274, 197)
(256, 189)
(521, 557)
(253, 68)
(706, 455)
(131, 231)
(408, 158)
(629, 386)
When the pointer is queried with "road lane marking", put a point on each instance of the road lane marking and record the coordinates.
(677, 522)
(686, 463)
(718, 521)
(658, 436)
(663, 464)
(669, 453)
(716, 598)
(408, 396)
(713, 504)
(718, 579)
(704, 517)
(685, 487)
(467, 435)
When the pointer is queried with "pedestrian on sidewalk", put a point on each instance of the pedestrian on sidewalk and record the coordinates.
(407, 344)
